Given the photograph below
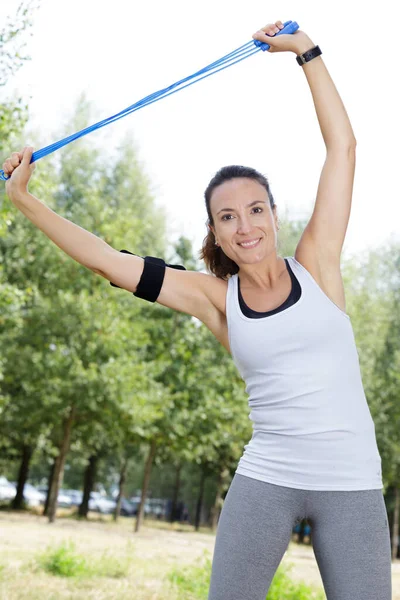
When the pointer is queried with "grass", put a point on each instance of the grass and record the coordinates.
(71, 560)
(64, 561)
(193, 583)
(284, 588)
(190, 583)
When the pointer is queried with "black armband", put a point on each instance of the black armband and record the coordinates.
(152, 278)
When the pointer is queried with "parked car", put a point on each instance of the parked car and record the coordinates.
(158, 507)
(32, 496)
(75, 496)
(135, 501)
(63, 501)
(7, 489)
(127, 508)
(101, 504)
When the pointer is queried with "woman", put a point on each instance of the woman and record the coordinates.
(313, 453)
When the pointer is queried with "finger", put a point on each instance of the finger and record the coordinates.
(270, 29)
(280, 24)
(264, 37)
(15, 159)
(7, 167)
(21, 154)
(26, 159)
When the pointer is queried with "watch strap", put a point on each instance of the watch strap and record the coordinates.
(308, 55)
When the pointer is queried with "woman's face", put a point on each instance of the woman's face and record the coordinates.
(245, 226)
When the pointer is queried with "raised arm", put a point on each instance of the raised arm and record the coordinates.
(186, 291)
(324, 235)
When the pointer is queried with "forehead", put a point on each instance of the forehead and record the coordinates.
(237, 191)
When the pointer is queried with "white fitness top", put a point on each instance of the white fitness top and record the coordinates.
(312, 427)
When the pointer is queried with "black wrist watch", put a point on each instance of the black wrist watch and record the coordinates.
(309, 55)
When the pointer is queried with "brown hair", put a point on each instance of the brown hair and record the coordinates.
(214, 257)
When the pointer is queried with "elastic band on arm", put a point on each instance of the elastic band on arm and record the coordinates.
(152, 277)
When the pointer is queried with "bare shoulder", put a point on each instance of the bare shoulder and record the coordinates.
(324, 269)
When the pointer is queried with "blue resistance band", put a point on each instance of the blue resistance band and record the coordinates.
(226, 61)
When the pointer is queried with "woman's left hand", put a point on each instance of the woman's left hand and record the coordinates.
(297, 42)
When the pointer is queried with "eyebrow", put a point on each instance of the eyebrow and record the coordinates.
(247, 206)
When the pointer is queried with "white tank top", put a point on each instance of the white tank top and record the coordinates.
(312, 427)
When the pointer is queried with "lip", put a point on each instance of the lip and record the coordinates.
(250, 247)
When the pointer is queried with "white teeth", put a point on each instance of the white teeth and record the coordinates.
(249, 244)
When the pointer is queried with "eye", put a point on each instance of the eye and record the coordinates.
(225, 217)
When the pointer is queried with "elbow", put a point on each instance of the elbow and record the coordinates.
(99, 272)
(343, 146)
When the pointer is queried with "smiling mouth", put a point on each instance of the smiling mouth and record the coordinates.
(250, 245)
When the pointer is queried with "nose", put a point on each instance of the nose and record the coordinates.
(243, 224)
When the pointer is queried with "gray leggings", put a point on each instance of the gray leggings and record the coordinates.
(350, 539)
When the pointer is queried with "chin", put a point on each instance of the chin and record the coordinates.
(251, 260)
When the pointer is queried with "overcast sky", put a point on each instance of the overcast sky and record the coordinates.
(258, 113)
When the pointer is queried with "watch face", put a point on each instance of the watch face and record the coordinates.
(308, 55)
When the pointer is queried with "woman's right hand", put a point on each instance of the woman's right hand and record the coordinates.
(19, 169)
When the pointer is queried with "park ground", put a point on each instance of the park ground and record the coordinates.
(147, 555)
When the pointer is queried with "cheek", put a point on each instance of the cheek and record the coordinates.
(224, 227)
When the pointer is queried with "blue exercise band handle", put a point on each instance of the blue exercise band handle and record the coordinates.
(289, 27)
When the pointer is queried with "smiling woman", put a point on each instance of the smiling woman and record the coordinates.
(216, 260)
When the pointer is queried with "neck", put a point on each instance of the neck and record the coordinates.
(264, 275)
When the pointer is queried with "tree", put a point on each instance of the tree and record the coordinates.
(13, 116)
(67, 328)
(13, 111)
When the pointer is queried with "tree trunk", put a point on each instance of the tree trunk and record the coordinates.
(59, 465)
(200, 500)
(49, 484)
(218, 504)
(121, 487)
(172, 516)
(395, 531)
(18, 502)
(146, 479)
(88, 483)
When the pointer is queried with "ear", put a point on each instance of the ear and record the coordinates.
(276, 218)
(212, 229)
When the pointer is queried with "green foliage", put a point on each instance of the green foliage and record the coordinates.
(12, 40)
(283, 588)
(13, 111)
(13, 116)
(67, 336)
(192, 583)
(372, 285)
(64, 561)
